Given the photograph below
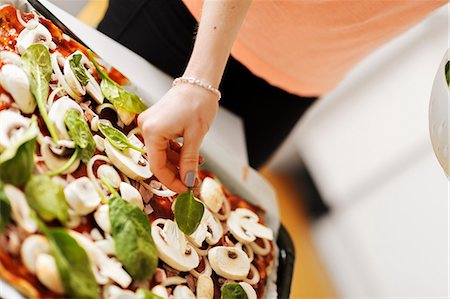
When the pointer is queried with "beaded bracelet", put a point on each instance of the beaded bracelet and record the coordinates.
(199, 83)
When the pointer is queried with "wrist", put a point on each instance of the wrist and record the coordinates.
(210, 72)
(199, 83)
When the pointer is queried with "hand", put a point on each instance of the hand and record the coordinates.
(185, 111)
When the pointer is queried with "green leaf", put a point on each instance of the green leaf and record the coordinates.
(132, 238)
(36, 63)
(233, 291)
(78, 69)
(118, 139)
(188, 212)
(116, 94)
(5, 208)
(72, 262)
(17, 161)
(80, 133)
(47, 198)
(146, 294)
(447, 73)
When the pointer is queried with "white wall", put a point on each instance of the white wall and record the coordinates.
(367, 147)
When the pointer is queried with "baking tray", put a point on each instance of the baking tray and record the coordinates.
(251, 189)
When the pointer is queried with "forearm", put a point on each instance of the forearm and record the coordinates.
(219, 26)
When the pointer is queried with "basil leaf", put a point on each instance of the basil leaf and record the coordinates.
(36, 63)
(80, 133)
(118, 139)
(17, 171)
(17, 161)
(146, 294)
(233, 291)
(78, 69)
(116, 94)
(447, 73)
(72, 262)
(5, 208)
(188, 212)
(47, 198)
(133, 240)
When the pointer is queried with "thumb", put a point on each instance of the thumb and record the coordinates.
(189, 158)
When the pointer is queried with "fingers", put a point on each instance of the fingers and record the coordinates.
(161, 166)
(189, 157)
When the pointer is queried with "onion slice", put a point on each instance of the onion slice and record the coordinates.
(162, 193)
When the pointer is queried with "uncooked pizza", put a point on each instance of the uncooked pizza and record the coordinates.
(82, 216)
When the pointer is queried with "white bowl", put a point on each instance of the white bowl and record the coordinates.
(439, 114)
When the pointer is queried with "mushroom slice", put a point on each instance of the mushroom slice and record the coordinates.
(108, 173)
(211, 194)
(244, 226)
(10, 58)
(47, 273)
(229, 262)
(173, 247)
(129, 161)
(183, 292)
(54, 156)
(160, 291)
(114, 292)
(12, 127)
(131, 194)
(57, 114)
(107, 266)
(249, 290)
(82, 196)
(33, 246)
(20, 209)
(38, 34)
(15, 81)
(58, 60)
(101, 216)
(205, 287)
(209, 229)
(70, 77)
(92, 87)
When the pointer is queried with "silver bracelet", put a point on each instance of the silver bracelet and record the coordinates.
(199, 83)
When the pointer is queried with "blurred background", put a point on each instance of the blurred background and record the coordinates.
(361, 193)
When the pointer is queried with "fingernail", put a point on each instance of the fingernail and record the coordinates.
(189, 179)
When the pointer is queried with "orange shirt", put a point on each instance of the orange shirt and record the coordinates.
(307, 46)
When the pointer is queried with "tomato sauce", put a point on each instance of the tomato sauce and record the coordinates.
(19, 273)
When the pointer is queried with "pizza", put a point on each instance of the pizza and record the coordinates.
(82, 216)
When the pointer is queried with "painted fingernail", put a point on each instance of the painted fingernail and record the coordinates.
(189, 179)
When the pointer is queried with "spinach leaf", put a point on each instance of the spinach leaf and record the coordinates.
(133, 240)
(146, 294)
(447, 73)
(188, 212)
(17, 161)
(36, 63)
(233, 291)
(116, 94)
(80, 133)
(78, 69)
(72, 262)
(5, 208)
(47, 198)
(118, 139)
